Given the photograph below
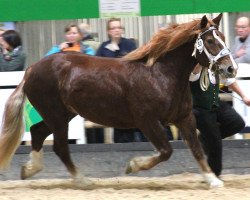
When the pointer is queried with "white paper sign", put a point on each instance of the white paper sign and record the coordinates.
(119, 8)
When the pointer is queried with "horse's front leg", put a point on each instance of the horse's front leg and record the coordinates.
(154, 131)
(61, 149)
(188, 131)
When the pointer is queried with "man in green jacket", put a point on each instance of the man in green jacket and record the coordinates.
(215, 119)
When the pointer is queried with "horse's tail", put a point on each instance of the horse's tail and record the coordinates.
(12, 128)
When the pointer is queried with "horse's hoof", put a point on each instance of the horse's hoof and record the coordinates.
(132, 167)
(26, 172)
(83, 183)
(217, 183)
(213, 181)
(128, 170)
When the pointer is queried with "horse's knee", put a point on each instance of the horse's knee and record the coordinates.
(166, 154)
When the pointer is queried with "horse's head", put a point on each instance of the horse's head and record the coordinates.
(210, 49)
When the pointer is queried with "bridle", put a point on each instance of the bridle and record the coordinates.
(199, 45)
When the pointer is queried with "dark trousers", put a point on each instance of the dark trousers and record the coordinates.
(124, 135)
(215, 125)
(95, 135)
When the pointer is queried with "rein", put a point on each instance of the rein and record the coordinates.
(229, 94)
(199, 45)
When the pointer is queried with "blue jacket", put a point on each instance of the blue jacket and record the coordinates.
(84, 49)
(125, 45)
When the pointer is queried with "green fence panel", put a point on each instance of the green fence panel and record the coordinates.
(23, 10)
(31, 116)
(171, 7)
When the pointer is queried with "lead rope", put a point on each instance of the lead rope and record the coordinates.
(230, 94)
(204, 79)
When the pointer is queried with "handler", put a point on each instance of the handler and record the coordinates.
(216, 120)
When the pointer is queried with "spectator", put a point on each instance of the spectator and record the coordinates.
(73, 37)
(12, 57)
(1, 32)
(215, 119)
(241, 49)
(88, 36)
(118, 46)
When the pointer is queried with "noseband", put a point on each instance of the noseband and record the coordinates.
(199, 45)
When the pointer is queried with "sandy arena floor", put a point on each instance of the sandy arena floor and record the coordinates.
(185, 186)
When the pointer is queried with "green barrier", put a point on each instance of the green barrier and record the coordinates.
(173, 7)
(31, 116)
(22, 10)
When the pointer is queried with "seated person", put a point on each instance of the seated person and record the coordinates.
(73, 37)
(12, 57)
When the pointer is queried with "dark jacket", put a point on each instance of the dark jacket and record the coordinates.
(125, 45)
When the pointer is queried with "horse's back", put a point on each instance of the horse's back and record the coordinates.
(93, 87)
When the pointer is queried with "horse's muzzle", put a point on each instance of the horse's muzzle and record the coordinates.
(229, 72)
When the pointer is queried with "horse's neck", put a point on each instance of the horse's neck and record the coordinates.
(185, 55)
(182, 61)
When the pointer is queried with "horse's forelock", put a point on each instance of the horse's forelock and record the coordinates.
(164, 41)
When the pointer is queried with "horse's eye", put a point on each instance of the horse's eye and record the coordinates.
(210, 41)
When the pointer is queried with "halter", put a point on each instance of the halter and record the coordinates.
(199, 45)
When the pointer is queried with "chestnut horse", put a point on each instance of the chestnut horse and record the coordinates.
(147, 89)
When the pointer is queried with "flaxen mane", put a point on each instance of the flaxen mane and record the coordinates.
(164, 41)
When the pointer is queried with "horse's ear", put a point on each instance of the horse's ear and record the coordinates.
(217, 19)
(204, 22)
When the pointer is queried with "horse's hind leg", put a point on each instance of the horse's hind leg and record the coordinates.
(188, 131)
(39, 132)
(154, 131)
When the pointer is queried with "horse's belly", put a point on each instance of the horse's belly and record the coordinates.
(108, 113)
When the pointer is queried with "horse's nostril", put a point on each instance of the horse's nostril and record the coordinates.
(230, 69)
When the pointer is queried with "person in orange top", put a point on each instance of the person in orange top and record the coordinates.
(73, 37)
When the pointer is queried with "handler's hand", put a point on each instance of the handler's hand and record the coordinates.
(246, 100)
